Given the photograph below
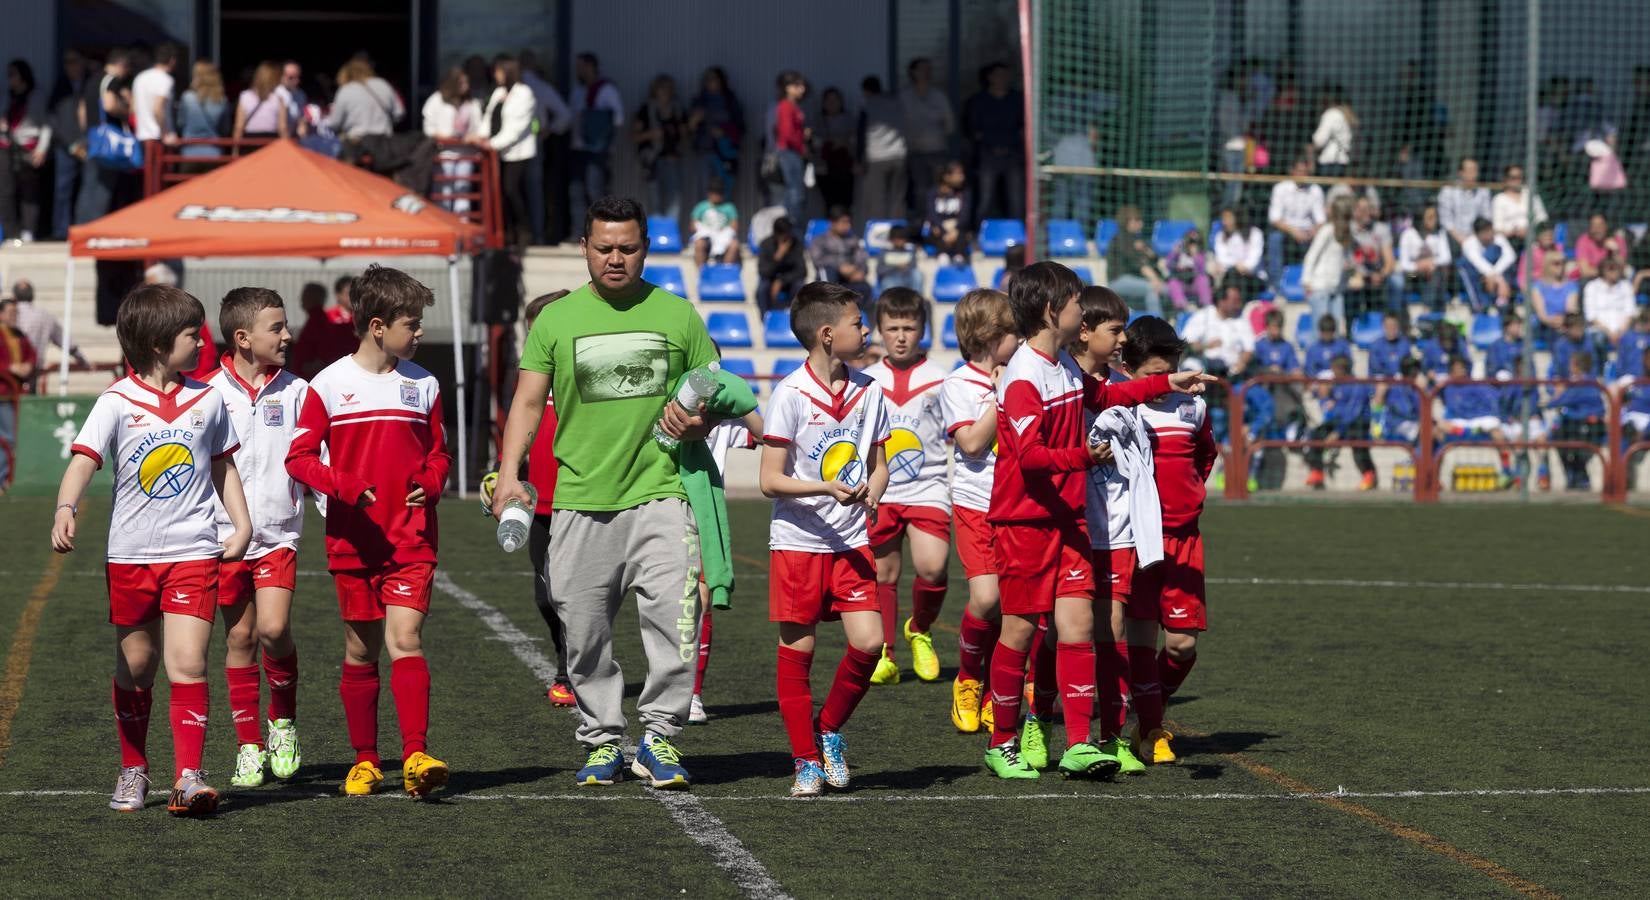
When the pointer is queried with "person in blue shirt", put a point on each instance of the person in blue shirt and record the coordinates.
(1630, 349)
(1471, 409)
(1581, 410)
(1437, 351)
(1576, 339)
(1390, 349)
(1346, 417)
(1635, 411)
(1401, 419)
(1521, 417)
(1322, 354)
(1273, 353)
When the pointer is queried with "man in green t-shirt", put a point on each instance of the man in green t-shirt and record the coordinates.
(612, 350)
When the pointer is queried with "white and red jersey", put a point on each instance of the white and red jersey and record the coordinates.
(161, 447)
(1183, 453)
(965, 396)
(383, 433)
(265, 417)
(1040, 437)
(916, 438)
(826, 436)
(1107, 493)
(728, 434)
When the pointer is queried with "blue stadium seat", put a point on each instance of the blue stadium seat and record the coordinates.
(776, 329)
(1167, 233)
(1561, 233)
(1104, 231)
(997, 235)
(948, 334)
(663, 235)
(739, 365)
(997, 278)
(1293, 290)
(876, 234)
(1136, 315)
(952, 282)
(729, 329)
(721, 282)
(1065, 238)
(1306, 332)
(816, 227)
(668, 277)
(1181, 320)
(1084, 273)
(1486, 330)
(785, 365)
(1366, 329)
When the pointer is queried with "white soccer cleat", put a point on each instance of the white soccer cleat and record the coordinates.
(131, 789)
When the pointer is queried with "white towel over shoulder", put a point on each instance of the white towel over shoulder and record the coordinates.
(1131, 448)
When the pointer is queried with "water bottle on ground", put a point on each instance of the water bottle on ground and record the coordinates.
(514, 521)
(699, 386)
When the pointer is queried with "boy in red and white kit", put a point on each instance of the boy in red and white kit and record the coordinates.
(918, 501)
(379, 417)
(171, 446)
(824, 467)
(255, 592)
(1171, 593)
(1037, 502)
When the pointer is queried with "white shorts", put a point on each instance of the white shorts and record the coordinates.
(720, 239)
(1638, 421)
(1478, 424)
(1513, 430)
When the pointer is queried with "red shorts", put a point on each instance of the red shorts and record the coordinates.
(807, 588)
(140, 592)
(893, 518)
(239, 581)
(1116, 566)
(1037, 563)
(974, 543)
(363, 593)
(1172, 591)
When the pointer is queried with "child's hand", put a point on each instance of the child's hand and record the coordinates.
(415, 498)
(63, 530)
(1100, 454)
(367, 499)
(235, 546)
(1190, 382)
(845, 495)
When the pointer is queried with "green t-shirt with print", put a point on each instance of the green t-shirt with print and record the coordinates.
(611, 368)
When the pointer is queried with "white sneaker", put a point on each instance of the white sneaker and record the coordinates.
(130, 789)
(249, 766)
(696, 712)
(192, 796)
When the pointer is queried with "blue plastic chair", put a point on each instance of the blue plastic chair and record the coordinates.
(997, 278)
(1561, 233)
(1366, 329)
(776, 329)
(744, 368)
(1084, 273)
(816, 227)
(1485, 330)
(1306, 332)
(1167, 233)
(948, 333)
(952, 282)
(729, 329)
(785, 365)
(876, 234)
(1104, 231)
(1181, 320)
(1065, 238)
(1293, 290)
(720, 282)
(668, 277)
(997, 235)
(663, 235)
(1136, 315)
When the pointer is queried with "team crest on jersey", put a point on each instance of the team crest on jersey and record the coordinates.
(274, 413)
(1188, 412)
(409, 394)
(197, 419)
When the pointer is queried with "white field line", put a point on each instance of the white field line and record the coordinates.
(726, 851)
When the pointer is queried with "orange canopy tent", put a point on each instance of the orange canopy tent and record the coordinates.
(283, 200)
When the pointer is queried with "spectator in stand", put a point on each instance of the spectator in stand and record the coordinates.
(1345, 416)
(1131, 266)
(839, 256)
(342, 311)
(598, 113)
(1600, 241)
(945, 224)
(103, 190)
(1233, 107)
(481, 77)
(1576, 340)
(715, 227)
(1487, 260)
(1424, 259)
(1630, 351)
(1239, 248)
(1371, 284)
(995, 120)
(1556, 296)
(1286, 126)
(18, 362)
(1464, 202)
(42, 329)
(1221, 336)
(1409, 201)
(292, 91)
(1608, 300)
(1013, 261)
(788, 140)
(659, 129)
(1390, 349)
(1072, 196)
(1328, 346)
(881, 153)
(322, 341)
(718, 125)
(25, 144)
(1638, 262)
(202, 110)
(1439, 350)
(152, 97)
(554, 118)
(261, 113)
(897, 266)
(1188, 269)
(1471, 410)
(1635, 412)
(1534, 261)
(509, 131)
(1274, 354)
(1510, 209)
(1328, 262)
(68, 136)
(836, 143)
(781, 266)
(452, 114)
(1333, 138)
(928, 129)
(364, 105)
(1581, 412)
(1296, 213)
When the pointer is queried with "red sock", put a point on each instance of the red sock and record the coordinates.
(282, 675)
(410, 683)
(1045, 685)
(1008, 682)
(358, 689)
(1172, 672)
(1144, 689)
(704, 653)
(888, 600)
(973, 640)
(1074, 665)
(992, 637)
(245, 691)
(132, 724)
(1114, 686)
(190, 704)
(796, 702)
(853, 679)
(926, 600)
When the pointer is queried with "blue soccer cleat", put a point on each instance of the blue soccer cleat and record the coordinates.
(605, 765)
(660, 763)
(831, 746)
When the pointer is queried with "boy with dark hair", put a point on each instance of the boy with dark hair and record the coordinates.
(1329, 345)
(897, 266)
(1390, 349)
(1574, 338)
(1520, 404)
(1347, 415)
(1274, 354)
(1581, 411)
(379, 417)
(825, 468)
(917, 500)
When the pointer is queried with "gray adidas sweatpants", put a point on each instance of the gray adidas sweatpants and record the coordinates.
(595, 558)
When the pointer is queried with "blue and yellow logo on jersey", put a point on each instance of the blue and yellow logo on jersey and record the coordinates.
(166, 471)
(904, 455)
(841, 463)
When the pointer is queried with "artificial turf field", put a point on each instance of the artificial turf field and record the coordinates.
(1393, 701)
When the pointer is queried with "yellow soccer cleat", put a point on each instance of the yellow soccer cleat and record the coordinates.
(988, 722)
(965, 704)
(423, 774)
(1155, 749)
(887, 671)
(363, 780)
(923, 659)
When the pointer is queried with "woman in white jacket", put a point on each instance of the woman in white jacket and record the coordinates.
(452, 114)
(509, 128)
(1333, 137)
(1323, 273)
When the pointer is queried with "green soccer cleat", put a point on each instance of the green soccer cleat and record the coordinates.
(1086, 760)
(1034, 742)
(282, 741)
(1127, 762)
(887, 671)
(1005, 762)
(923, 659)
(249, 766)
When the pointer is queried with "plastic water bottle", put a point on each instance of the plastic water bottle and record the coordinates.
(513, 522)
(699, 386)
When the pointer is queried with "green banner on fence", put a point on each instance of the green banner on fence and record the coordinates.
(46, 427)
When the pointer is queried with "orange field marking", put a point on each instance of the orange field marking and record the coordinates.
(22, 649)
